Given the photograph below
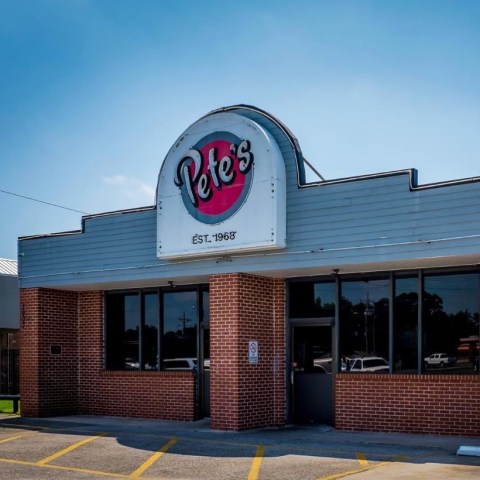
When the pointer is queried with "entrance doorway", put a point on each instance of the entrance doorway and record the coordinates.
(311, 376)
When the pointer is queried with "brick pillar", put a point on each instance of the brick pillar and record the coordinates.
(91, 348)
(243, 395)
(49, 352)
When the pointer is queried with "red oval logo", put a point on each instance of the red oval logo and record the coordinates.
(215, 177)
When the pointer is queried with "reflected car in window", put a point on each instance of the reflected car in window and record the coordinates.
(180, 364)
(369, 364)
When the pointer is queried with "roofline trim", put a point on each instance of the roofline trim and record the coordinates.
(88, 217)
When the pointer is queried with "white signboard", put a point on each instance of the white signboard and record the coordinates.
(221, 189)
(252, 351)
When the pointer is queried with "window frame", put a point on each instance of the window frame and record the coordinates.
(199, 289)
(391, 276)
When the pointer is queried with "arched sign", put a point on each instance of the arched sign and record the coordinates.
(221, 189)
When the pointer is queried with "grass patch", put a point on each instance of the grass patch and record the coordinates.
(6, 406)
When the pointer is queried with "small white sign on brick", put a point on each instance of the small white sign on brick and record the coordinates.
(252, 351)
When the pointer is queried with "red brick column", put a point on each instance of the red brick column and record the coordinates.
(48, 360)
(91, 348)
(242, 308)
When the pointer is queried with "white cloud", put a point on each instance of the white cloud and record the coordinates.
(116, 180)
(131, 189)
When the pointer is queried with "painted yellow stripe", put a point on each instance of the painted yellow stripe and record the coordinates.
(69, 449)
(362, 460)
(138, 472)
(5, 440)
(257, 462)
(359, 470)
(66, 469)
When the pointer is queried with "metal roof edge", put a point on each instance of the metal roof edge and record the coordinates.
(411, 172)
(88, 217)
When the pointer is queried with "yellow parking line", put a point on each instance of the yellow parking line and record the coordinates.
(257, 461)
(364, 469)
(5, 440)
(138, 472)
(362, 460)
(69, 449)
(66, 469)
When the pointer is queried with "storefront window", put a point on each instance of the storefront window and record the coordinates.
(180, 321)
(312, 308)
(150, 331)
(206, 330)
(122, 331)
(364, 313)
(451, 323)
(139, 335)
(405, 337)
(312, 299)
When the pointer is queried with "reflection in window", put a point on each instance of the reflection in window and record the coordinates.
(312, 300)
(206, 329)
(451, 323)
(150, 331)
(180, 321)
(133, 335)
(364, 312)
(122, 331)
(312, 349)
(405, 336)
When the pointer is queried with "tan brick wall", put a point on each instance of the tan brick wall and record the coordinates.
(242, 308)
(428, 404)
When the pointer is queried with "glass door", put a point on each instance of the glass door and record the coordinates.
(312, 380)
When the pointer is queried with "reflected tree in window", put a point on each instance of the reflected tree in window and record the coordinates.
(180, 324)
(312, 299)
(364, 312)
(451, 323)
(405, 339)
(122, 331)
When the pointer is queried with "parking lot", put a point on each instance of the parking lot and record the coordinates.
(92, 448)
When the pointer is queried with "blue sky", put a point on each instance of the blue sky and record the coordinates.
(94, 93)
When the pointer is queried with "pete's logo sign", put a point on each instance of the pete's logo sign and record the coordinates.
(215, 177)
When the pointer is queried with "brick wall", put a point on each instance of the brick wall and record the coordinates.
(428, 404)
(242, 308)
(74, 381)
(162, 395)
(48, 359)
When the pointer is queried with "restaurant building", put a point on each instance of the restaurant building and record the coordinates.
(254, 298)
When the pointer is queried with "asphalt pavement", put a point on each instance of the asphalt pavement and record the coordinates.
(87, 448)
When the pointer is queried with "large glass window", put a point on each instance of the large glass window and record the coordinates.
(150, 330)
(451, 323)
(122, 331)
(405, 336)
(450, 320)
(364, 313)
(180, 323)
(312, 299)
(154, 329)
